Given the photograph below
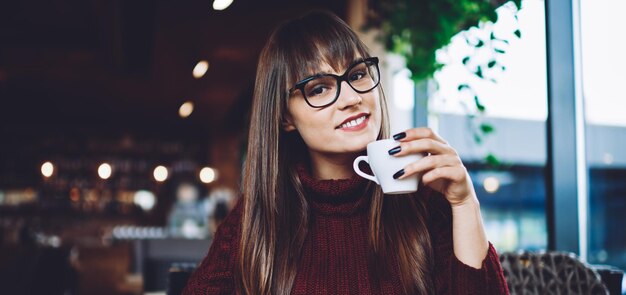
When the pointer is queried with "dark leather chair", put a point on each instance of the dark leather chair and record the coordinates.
(550, 273)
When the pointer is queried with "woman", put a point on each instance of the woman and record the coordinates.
(306, 223)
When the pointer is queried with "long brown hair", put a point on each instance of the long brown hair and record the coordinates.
(276, 214)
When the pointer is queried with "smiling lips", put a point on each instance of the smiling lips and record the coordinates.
(354, 123)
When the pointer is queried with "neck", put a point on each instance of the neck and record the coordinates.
(324, 166)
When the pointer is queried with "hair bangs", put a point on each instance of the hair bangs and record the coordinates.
(306, 49)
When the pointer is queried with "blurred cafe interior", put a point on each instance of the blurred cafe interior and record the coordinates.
(123, 128)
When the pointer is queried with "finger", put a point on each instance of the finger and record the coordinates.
(418, 133)
(424, 146)
(429, 163)
(453, 173)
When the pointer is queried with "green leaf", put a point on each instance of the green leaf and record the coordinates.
(518, 33)
(479, 72)
(478, 139)
(491, 64)
(499, 50)
(466, 60)
(486, 128)
(492, 160)
(416, 31)
(479, 105)
(463, 86)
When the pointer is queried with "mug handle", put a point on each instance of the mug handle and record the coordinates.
(358, 171)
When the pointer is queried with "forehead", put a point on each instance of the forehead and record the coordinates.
(339, 68)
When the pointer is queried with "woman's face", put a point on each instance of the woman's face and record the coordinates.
(344, 127)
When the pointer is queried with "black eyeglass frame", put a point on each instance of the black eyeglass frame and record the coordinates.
(300, 85)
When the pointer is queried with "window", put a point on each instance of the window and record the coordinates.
(513, 195)
(603, 62)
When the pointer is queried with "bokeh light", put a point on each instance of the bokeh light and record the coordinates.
(185, 109)
(144, 199)
(47, 169)
(491, 184)
(200, 69)
(208, 175)
(160, 173)
(104, 171)
(221, 4)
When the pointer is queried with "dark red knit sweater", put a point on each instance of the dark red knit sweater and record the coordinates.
(334, 259)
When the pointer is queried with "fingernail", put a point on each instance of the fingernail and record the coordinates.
(399, 136)
(398, 174)
(395, 150)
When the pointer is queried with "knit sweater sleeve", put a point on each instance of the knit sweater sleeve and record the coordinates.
(451, 276)
(215, 273)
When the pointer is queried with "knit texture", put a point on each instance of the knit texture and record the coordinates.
(334, 257)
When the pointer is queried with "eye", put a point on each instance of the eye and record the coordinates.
(358, 72)
(357, 75)
(316, 90)
(320, 86)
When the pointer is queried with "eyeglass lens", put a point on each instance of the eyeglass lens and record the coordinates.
(323, 90)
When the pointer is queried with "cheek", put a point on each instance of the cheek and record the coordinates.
(310, 124)
(314, 130)
(296, 113)
(376, 111)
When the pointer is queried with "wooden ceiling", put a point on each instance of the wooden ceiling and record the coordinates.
(118, 66)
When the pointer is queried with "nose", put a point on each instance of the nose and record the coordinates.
(347, 97)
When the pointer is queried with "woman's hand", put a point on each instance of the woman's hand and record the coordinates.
(442, 169)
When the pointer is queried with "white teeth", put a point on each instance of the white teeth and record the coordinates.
(353, 123)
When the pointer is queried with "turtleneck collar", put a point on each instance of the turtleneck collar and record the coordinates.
(334, 196)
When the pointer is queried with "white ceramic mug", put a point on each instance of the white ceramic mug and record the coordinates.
(385, 166)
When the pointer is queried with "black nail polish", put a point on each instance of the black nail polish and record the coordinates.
(398, 174)
(395, 150)
(399, 136)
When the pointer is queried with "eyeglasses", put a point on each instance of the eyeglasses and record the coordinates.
(322, 90)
